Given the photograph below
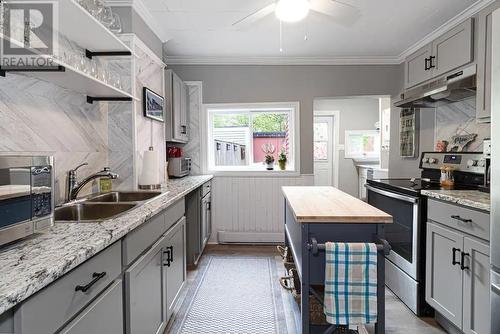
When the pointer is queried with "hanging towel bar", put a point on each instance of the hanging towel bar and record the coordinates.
(314, 247)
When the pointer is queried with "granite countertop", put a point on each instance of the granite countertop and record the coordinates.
(471, 198)
(329, 205)
(33, 263)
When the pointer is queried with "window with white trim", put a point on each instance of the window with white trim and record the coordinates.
(252, 137)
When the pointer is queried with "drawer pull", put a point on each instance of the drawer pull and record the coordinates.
(463, 220)
(454, 259)
(96, 277)
(462, 265)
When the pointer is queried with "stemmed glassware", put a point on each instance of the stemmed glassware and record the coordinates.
(103, 13)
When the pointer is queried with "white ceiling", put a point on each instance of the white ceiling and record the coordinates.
(202, 29)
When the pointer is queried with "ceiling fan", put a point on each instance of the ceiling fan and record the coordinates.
(296, 10)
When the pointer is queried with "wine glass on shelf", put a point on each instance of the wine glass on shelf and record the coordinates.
(107, 18)
(116, 26)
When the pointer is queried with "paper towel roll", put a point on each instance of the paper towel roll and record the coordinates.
(150, 169)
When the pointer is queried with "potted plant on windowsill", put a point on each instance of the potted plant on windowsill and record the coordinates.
(269, 160)
(282, 160)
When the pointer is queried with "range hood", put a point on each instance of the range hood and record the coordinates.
(451, 88)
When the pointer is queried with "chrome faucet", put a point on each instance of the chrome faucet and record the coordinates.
(74, 187)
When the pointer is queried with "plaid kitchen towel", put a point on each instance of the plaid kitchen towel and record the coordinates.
(351, 283)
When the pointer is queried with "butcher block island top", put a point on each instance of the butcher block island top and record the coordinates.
(330, 205)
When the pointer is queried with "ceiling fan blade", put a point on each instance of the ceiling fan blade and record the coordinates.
(341, 12)
(255, 16)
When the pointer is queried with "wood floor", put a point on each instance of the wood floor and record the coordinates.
(399, 319)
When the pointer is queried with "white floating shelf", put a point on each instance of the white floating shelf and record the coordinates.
(79, 26)
(80, 82)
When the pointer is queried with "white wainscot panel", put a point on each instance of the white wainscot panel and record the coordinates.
(251, 209)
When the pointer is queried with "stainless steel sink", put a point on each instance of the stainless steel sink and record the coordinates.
(90, 212)
(124, 196)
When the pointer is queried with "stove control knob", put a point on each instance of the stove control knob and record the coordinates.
(482, 163)
(425, 160)
(472, 163)
(433, 161)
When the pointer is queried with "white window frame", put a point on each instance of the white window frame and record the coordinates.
(207, 137)
(368, 157)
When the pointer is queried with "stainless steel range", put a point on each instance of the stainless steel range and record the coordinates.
(405, 265)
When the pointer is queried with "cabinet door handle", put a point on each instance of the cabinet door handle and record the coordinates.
(209, 206)
(454, 259)
(462, 264)
(427, 64)
(431, 62)
(96, 277)
(183, 129)
(169, 252)
(463, 220)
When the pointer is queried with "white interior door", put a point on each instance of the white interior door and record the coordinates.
(323, 151)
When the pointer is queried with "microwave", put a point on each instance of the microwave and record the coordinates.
(179, 167)
(26, 196)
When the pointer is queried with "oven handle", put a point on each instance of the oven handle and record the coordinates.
(409, 199)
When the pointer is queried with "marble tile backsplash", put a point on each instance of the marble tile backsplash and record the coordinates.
(459, 118)
(37, 117)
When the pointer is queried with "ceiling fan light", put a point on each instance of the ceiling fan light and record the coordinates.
(292, 10)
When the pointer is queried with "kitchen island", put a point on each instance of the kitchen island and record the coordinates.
(315, 215)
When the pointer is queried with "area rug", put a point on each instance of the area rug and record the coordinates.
(233, 295)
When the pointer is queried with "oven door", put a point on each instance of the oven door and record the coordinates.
(403, 233)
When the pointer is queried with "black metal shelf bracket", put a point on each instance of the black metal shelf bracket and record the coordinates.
(92, 99)
(89, 54)
(58, 68)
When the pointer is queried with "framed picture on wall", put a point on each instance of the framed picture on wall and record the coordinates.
(154, 105)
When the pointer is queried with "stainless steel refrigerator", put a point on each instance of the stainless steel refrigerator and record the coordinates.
(495, 175)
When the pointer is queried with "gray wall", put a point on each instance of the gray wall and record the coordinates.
(355, 114)
(247, 84)
(133, 23)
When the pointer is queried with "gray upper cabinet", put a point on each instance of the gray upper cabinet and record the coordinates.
(177, 118)
(450, 51)
(484, 44)
(104, 315)
(145, 293)
(476, 318)
(417, 67)
(443, 289)
(175, 247)
(453, 49)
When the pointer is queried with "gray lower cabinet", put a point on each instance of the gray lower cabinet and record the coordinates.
(153, 282)
(457, 274)
(175, 241)
(443, 289)
(104, 315)
(477, 318)
(145, 292)
(53, 307)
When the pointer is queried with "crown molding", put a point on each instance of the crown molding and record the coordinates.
(229, 60)
(141, 9)
(467, 13)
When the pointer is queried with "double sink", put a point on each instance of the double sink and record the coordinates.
(101, 207)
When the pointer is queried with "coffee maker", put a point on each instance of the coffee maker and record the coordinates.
(487, 165)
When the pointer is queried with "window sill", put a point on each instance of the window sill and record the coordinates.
(254, 173)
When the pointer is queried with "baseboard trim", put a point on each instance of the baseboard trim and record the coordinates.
(225, 237)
